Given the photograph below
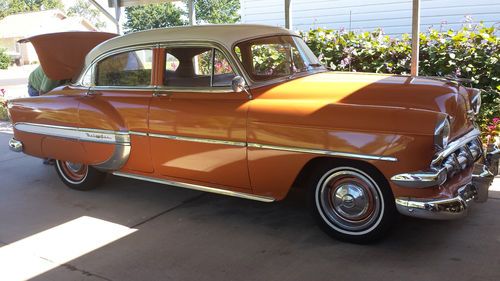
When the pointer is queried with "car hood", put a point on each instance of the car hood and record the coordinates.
(62, 54)
(421, 93)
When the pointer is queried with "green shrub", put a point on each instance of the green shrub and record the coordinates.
(472, 52)
(4, 59)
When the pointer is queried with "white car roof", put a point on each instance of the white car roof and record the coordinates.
(225, 35)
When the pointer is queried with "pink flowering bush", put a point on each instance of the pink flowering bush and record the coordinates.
(491, 130)
(3, 106)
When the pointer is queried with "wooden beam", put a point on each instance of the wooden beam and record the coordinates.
(288, 14)
(415, 31)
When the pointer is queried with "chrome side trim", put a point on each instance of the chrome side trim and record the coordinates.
(197, 187)
(454, 145)
(201, 140)
(15, 145)
(81, 134)
(421, 179)
(138, 133)
(117, 160)
(323, 152)
(121, 140)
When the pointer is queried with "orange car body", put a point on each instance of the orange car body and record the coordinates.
(257, 145)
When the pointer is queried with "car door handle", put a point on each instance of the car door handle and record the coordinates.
(157, 94)
(91, 93)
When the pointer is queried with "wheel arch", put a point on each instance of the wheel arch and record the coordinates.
(303, 179)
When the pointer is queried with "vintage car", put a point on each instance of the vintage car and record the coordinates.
(249, 111)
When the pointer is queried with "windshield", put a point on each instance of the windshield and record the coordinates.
(277, 56)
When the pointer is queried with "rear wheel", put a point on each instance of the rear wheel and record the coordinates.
(79, 176)
(352, 204)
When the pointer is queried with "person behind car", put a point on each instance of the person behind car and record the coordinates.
(39, 83)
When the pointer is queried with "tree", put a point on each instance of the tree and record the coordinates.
(10, 7)
(87, 11)
(152, 16)
(217, 11)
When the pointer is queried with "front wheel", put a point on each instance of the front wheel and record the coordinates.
(79, 176)
(352, 204)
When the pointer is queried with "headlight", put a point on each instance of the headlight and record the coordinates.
(476, 101)
(442, 134)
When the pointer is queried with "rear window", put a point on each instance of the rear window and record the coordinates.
(125, 69)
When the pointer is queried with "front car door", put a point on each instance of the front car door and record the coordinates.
(197, 124)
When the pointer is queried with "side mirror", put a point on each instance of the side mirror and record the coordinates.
(238, 84)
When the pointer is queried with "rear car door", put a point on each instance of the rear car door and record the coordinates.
(117, 101)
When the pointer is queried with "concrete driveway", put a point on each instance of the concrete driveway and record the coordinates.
(170, 233)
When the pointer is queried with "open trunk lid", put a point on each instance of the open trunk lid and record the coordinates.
(62, 55)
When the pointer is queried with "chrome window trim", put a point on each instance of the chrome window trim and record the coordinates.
(196, 89)
(197, 187)
(233, 61)
(124, 88)
(324, 152)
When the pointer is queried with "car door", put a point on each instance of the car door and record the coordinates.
(197, 124)
(117, 102)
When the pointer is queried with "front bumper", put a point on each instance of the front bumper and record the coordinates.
(450, 208)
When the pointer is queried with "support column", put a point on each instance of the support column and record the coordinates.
(191, 12)
(288, 14)
(117, 17)
(415, 31)
(108, 15)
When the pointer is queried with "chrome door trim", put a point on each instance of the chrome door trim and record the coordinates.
(81, 134)
(201, 140)
(123, 138)
(323, 152)
(197, 187)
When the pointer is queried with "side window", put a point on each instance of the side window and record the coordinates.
(197, 67)
(125, 69)
(223, 73)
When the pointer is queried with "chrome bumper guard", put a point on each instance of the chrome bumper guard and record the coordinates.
(15, 145)
(451, 208)
(456, 157)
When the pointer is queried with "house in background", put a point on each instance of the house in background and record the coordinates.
(393, 16)
(19, 26)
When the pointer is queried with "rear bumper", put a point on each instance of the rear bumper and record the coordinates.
(450, 208)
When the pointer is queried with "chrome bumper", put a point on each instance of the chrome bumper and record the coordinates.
(451, 208)
(15, 145)
(457, 156)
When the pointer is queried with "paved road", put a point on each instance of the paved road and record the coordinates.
(187, 235)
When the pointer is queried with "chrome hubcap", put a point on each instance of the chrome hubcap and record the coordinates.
(349, 200)
(74, 167)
